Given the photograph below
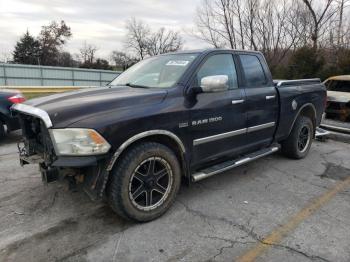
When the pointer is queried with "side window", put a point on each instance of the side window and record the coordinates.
(219, 65)
(253, 70)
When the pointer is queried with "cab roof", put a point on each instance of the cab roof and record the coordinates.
(209, 50)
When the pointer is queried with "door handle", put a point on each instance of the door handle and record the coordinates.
(235, 102)
(270, 97)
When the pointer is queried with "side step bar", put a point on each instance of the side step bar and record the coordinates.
(219, 168)
(321, 132)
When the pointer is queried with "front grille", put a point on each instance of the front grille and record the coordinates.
(36, 138)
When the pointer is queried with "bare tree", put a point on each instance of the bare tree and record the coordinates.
(320, 17)
(163, 41)
(136, 37)
(87, 53)
(270, 26)
(251, 15)
(144, 42)
(277, 29)
(208, 25)
(237, 11)
(217, 20)
(122, 60)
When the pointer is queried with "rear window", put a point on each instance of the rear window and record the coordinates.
(339, 86)
(253, 70)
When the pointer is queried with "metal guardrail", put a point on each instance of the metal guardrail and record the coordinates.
(32, 75)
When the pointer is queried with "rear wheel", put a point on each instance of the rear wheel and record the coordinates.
(145, 182)
(298, 144)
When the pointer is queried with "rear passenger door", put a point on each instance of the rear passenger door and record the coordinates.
(261, 100)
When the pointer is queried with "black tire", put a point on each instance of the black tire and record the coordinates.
(298, 144)
(134, 166)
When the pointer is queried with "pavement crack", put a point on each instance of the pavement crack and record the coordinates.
(249, 231)
(298, 178)
(230, 245)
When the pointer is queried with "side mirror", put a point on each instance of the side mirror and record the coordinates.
(216, 83)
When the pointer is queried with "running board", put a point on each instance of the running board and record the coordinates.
(219, 168)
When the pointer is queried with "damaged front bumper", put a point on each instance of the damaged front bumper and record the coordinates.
(89, 172)
(86, 172)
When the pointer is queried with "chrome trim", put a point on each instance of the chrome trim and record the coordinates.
(322, 132)
(244, 160)
(259, 127)
(280, 83)
(235, 102)
(140, 136)
(218, 136)
(270, 97)
(201, 175)
(5, 128)
(207, 139)
(33, 111)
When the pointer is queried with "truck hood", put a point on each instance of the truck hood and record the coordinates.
(70, 107)
(335, 96)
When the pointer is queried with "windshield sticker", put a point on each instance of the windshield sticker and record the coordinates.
(177, 63)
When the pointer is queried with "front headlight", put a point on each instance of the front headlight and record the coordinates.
(79, 141)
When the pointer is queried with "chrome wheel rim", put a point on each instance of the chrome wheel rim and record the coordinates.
(304, 139)
(150, 183)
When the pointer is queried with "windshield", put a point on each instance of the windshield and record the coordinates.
(159, 72)
(339, 86)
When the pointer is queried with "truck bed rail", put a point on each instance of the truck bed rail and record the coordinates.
(297, 82)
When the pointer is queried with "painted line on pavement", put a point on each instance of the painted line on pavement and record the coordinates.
(278, 234)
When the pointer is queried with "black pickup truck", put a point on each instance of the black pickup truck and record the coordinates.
(179, 116)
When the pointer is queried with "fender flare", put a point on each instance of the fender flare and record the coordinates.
(142, 135)
(298, 114)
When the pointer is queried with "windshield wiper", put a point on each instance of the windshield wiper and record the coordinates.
(136, 86)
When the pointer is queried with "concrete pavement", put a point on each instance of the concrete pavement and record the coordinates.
(223, 218)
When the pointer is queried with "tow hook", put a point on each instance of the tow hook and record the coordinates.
(48, 174)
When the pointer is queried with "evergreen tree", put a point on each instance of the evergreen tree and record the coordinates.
(27, 50)
(305, 62)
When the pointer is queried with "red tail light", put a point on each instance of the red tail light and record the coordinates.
(16, 99)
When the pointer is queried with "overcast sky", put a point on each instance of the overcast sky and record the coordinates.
(98, 22)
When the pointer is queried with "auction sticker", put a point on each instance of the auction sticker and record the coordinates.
(177, 63)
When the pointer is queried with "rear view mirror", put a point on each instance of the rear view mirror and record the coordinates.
(216, 83)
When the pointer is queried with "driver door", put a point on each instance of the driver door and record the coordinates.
(218, 119)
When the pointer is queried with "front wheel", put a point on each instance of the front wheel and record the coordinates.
(145, 182)
(298, 144)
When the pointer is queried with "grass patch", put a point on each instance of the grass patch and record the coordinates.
(35, 95)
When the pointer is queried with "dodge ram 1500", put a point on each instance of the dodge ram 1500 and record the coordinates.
(180, 116)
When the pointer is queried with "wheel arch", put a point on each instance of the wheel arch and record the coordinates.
(161, 136)
(308, 110)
